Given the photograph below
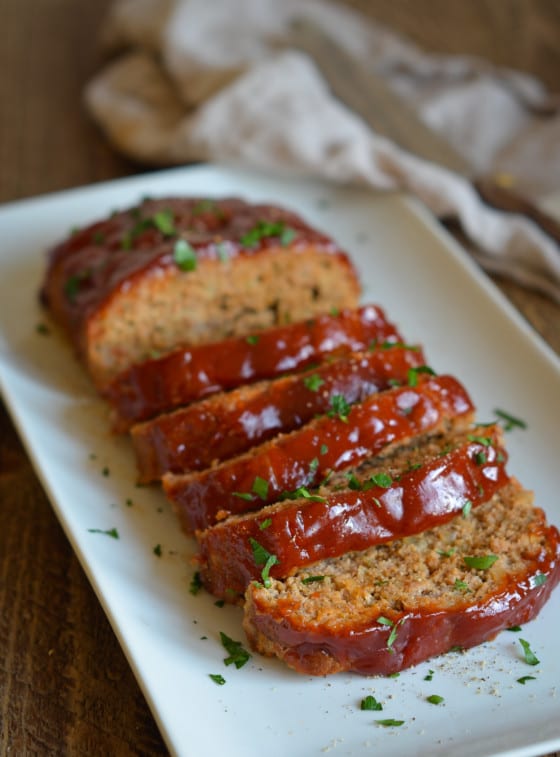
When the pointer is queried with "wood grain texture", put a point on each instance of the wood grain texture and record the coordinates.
(65, 685)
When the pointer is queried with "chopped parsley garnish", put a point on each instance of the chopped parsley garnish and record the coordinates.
(480, 458)
(302, 493)
(482, 562)
(217, 678)
(252, 339)
(413, 373)
(219, 602)
(163, 221)
(312, 579)
(263, 557)
(72, 287)
(105, 472)
(524, 679)
(370, 703)
(509, 421)
(539, 579)
(184, 255)
(466, 509)
(353, 482)
(237, 654)
(429, 676)
(112, 532)
(98, 237)
(266, 523)
(243, 495)
(324, 449)
(196, 583)
(394, 628)
(260, 488)
(514, 629)
(446, 552)
(528, 654)
(339, 407)
(313, 465)
(313, 382)
(157, 550)
(381, 479)
(435, 699)
(264, 230)
(460, 586)
(388, 722)
(42, 329)
(334, 312)
(484, 440)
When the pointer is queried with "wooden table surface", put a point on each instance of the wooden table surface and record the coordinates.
(65, 686)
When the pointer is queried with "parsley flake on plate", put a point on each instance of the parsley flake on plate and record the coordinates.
(370, 703)
(237, 654)
(112, 532)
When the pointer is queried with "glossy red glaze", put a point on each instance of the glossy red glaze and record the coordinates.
(228, 424)
(302, 532)
(185, 375)
(285, 463)
(421, 635)
(106, 257)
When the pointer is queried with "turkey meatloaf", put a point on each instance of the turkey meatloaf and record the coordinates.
(303, 458)
(229, 423)
(384, 609)
(191, 373)
(189, 271)
(418, 486)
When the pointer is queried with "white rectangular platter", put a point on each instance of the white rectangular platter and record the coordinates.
(438, 297)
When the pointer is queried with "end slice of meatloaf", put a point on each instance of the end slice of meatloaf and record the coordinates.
(418, 486)
(177, 271)
(188, 374)
(303, 458)
(392, 606)
(230, 423)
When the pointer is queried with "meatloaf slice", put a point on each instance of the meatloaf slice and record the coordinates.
(229, 423)
(188, 374)
(417, 487)
(344, 437)
(394, 605)
(177, 271)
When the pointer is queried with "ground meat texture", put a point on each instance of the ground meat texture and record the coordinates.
(191, 373)
(178, 271)
(417, 487)
(433, 601)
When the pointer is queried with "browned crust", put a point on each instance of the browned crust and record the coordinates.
(126, 264)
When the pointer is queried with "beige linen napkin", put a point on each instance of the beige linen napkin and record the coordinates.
(203, 80)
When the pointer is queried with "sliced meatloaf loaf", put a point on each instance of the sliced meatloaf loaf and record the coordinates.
(392, 606)
(189, 271)
(343, 437)
(418, 486)
(229, 423)
(190, 373)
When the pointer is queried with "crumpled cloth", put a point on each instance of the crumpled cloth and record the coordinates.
(207, 80)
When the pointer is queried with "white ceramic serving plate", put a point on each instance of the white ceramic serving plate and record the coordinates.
(438, 297)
